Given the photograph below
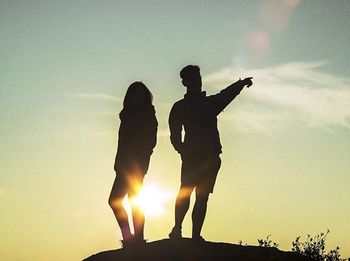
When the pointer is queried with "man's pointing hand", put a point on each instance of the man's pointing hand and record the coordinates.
(248, 81)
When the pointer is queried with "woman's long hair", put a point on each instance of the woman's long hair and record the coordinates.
(133, 89)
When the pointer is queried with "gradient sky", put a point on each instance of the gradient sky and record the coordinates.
(65, 67)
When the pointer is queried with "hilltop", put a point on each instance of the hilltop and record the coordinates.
(186, 249)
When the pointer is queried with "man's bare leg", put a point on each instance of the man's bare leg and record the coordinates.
(198, 214)
(181, 207)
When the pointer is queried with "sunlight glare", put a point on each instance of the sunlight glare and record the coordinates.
(151, 199)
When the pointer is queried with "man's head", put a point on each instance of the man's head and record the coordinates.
(191, 78)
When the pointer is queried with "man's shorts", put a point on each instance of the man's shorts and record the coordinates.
(200, 172)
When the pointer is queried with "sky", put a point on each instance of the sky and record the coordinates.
(65, 67)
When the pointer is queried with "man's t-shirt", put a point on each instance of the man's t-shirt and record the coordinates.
(197, 114)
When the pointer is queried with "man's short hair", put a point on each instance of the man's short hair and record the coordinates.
(188, 71)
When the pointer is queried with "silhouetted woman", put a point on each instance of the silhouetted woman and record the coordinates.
(137, 138)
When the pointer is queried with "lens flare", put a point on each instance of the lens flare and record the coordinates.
(151, 198)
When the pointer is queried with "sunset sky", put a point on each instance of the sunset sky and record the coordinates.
(64, 70)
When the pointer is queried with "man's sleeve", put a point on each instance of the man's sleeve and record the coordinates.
(175, 126)
(227, 95)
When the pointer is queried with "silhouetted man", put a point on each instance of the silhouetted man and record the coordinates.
(197, 114)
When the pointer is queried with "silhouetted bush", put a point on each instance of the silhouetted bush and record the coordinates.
(240, 242)
(267, 242)
(314, 247)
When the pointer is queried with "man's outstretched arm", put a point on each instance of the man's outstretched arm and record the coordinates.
(228, 94)
(175, 126)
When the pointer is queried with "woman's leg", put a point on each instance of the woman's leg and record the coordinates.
(119, 190)
(138, 216)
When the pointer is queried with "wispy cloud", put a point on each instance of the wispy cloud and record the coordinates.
(102, 134)
(294, 91)
(97, 96)
(90, 96)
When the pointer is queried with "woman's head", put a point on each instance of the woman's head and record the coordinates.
(137, 95)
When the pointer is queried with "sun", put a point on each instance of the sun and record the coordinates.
(151, 199)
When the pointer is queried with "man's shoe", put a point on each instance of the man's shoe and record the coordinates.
(198, 239)
(175, 234)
